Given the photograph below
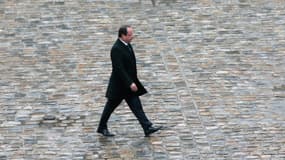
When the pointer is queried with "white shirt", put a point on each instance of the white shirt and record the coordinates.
(123, 42)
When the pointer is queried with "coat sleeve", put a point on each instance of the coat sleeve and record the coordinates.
(119, 68)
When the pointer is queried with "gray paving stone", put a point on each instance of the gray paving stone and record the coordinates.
(215, 71)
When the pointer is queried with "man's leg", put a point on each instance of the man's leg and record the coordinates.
(136, 107)
(110, 106)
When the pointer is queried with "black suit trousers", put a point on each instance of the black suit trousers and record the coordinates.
(135, 105)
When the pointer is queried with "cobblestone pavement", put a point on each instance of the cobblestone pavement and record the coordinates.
(215, 71)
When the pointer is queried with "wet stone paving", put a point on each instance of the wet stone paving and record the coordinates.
(214, 69)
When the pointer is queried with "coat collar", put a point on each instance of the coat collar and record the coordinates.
(126, 44)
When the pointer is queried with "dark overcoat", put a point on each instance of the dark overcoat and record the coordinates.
(124, 72)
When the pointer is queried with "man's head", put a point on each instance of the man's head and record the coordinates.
(126, 33)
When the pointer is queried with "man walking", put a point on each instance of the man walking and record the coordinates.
(124, 84)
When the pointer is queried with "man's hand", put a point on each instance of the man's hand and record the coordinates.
(134, 87)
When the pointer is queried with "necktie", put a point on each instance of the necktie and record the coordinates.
(130, 48)
(132, 52)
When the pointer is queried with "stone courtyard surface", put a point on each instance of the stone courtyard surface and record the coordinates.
(214, 69)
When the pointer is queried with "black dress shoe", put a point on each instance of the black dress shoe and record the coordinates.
(105, 132)
(151, 130)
